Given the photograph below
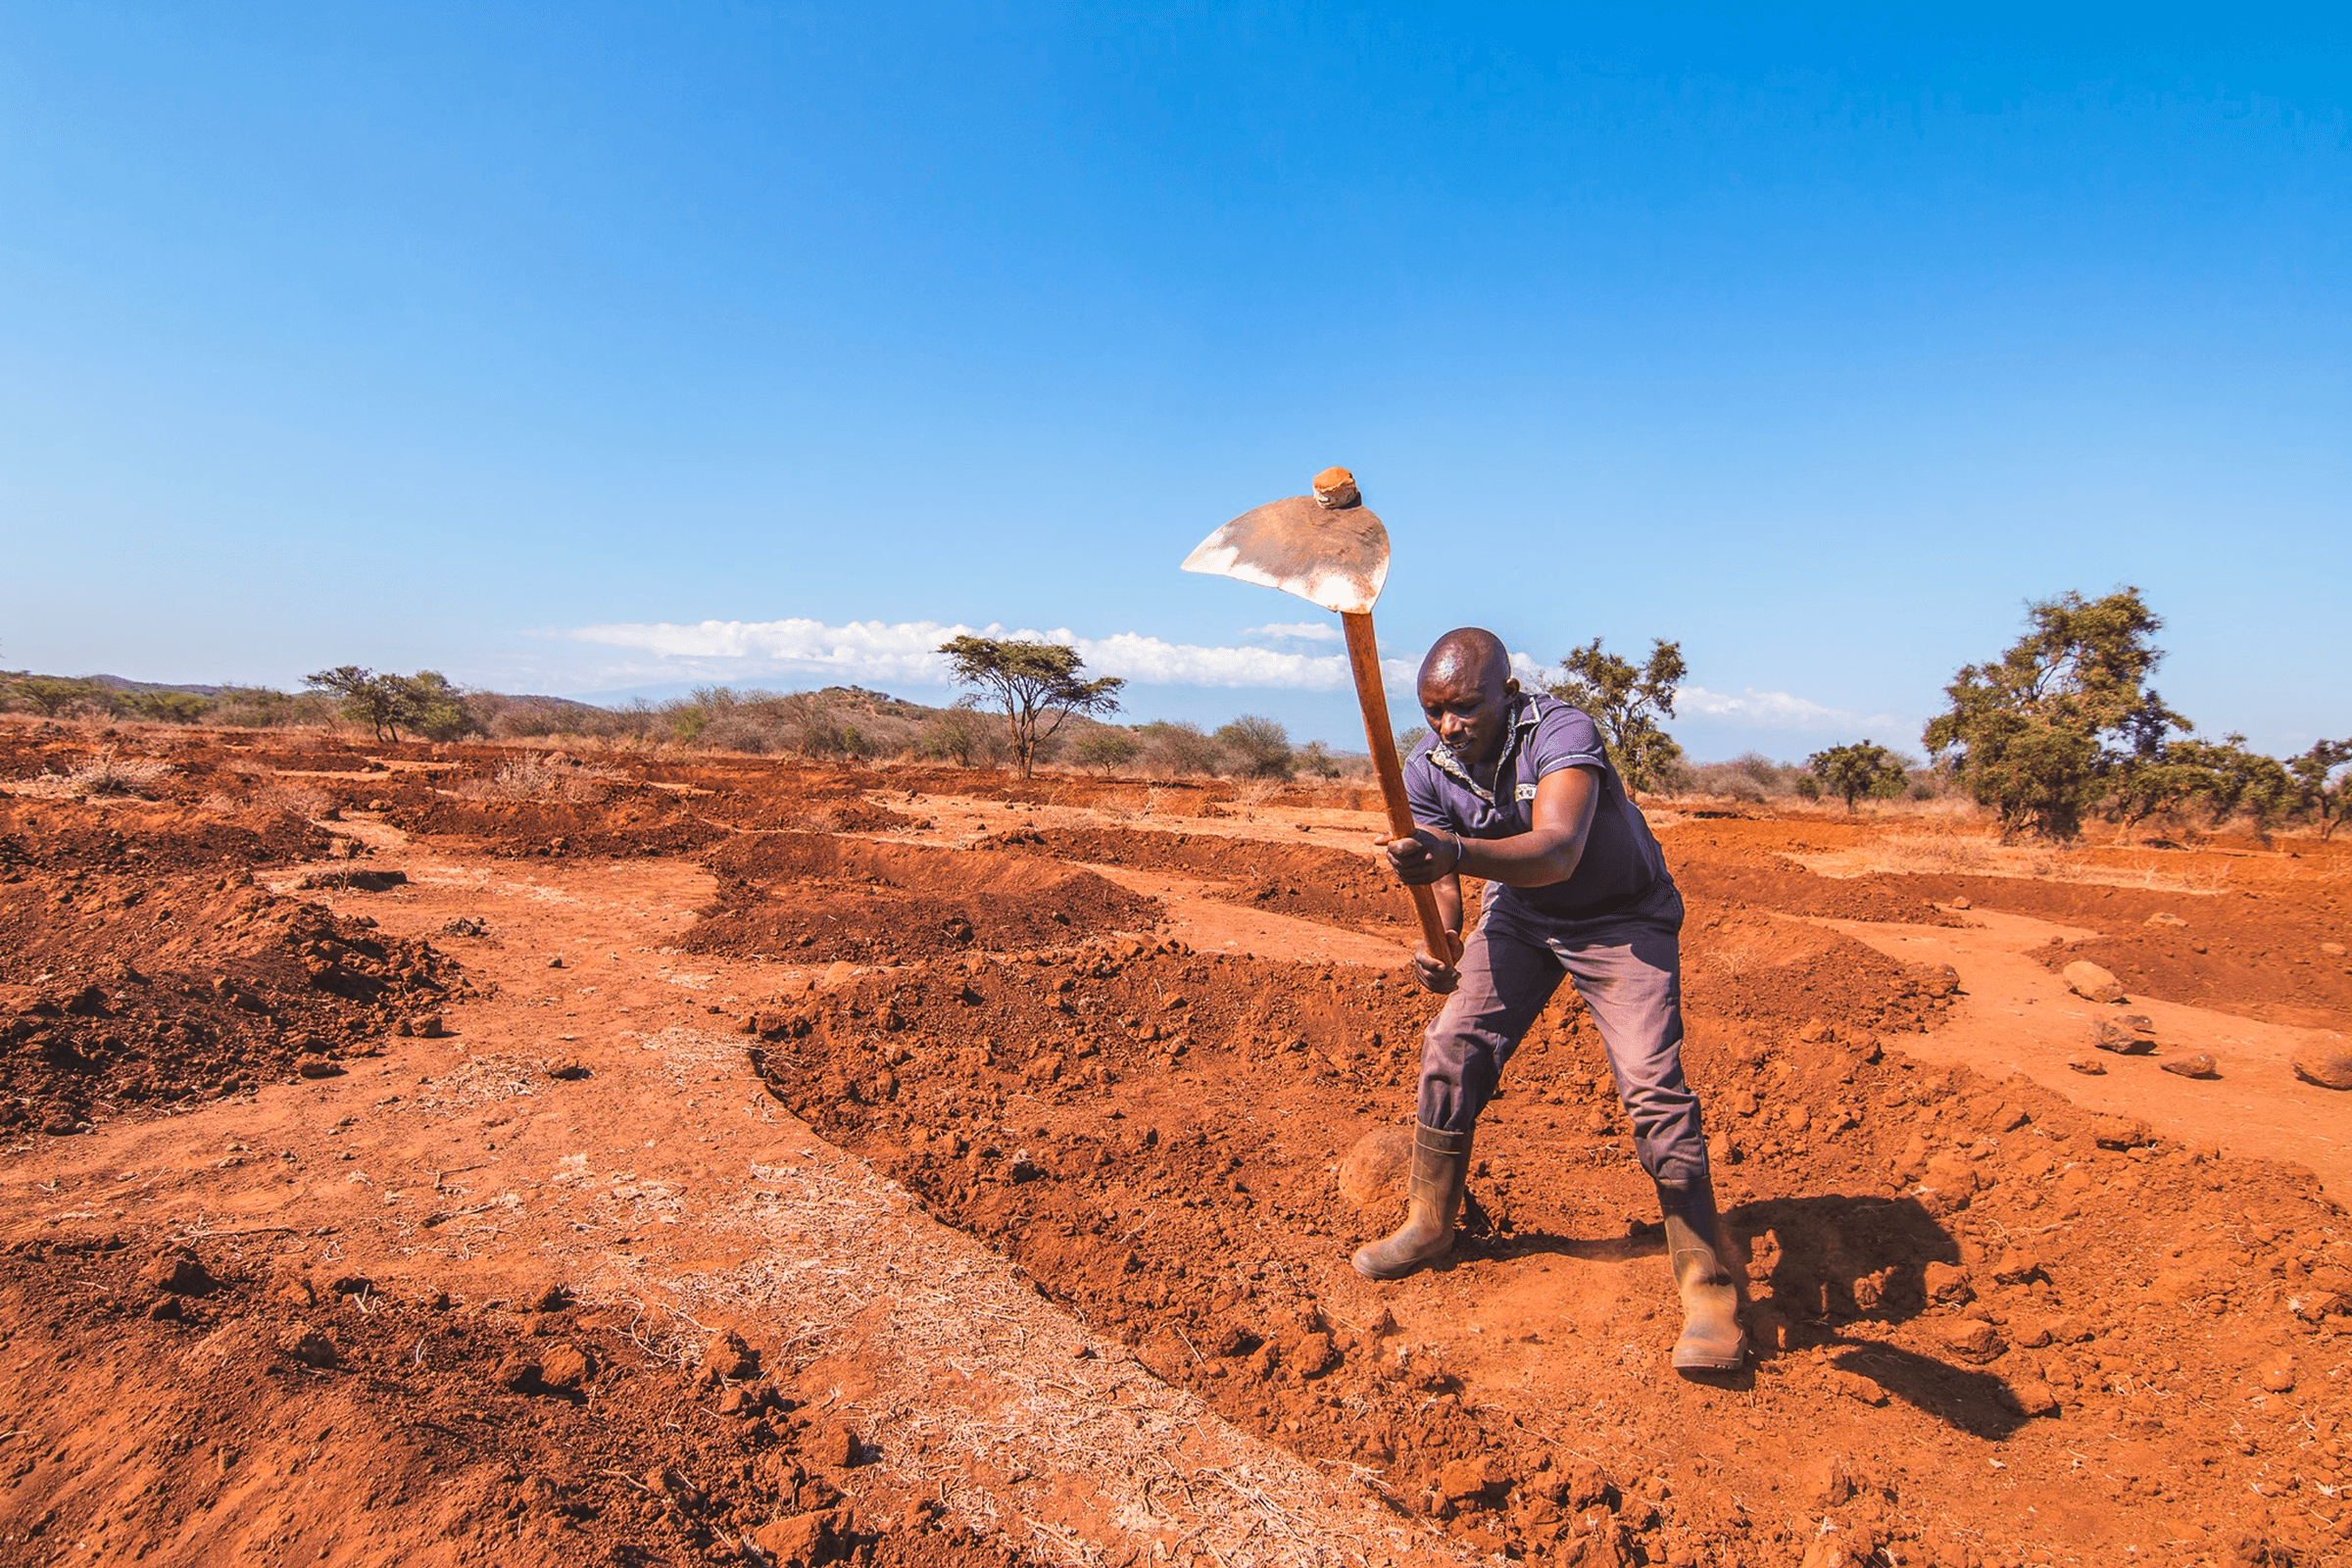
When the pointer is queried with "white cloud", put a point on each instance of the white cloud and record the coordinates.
(1755, 710)
(1304, 631)
(879, 653)
(888, 653)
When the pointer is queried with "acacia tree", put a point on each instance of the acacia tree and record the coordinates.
(1036, 684)
(424, 702)
(1853, 771)
(2038, 734)
(1627, 702)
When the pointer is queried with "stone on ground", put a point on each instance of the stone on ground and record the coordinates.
(1377, 1168)
(2325, 1063)
(2091, 983)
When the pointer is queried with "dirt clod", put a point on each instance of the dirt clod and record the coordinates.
(1377, 1166)
(726, 1355)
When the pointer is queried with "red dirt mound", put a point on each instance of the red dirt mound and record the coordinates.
(1290, 879)
(124, 991)
(2259, 954)
(816, 898)
(545, 1434)
(1706, 869)
(138, 836)
(1152, 1133)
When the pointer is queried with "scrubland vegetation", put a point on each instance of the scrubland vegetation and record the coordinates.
(2062, 729)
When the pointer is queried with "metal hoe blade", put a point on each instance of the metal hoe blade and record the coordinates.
(1334, 556)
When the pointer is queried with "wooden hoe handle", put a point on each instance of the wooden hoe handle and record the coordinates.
(1364, 658)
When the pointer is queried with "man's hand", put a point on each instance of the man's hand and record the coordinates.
(1439, 977)
(1422, 856)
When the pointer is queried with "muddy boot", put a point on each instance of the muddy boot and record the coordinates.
(1712, 1341)
(1434, 1200)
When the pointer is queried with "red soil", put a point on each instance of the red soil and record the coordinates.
(1992, 1328)
(817, 897)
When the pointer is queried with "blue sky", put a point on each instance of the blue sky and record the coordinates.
(522, 342)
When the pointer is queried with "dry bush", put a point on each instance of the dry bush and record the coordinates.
(1176, 749)
(552, 777)
(303, 799)
(99, 776)
(844, 722)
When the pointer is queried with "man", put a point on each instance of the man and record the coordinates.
(1517, 789)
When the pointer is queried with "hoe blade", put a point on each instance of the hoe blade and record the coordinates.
(1334, 556)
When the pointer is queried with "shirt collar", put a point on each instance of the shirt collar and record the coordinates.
(1523, 718)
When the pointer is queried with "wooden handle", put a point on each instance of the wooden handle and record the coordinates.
(1364, 658)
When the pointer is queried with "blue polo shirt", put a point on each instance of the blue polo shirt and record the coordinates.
(1622, 861)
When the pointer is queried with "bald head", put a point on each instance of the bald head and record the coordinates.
(1467, 655)
(1466, 690)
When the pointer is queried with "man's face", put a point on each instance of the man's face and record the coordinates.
(1467, 710)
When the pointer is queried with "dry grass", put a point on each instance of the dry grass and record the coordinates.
(105, 775)
(552, 777)
(303, 799)
(1967, 854)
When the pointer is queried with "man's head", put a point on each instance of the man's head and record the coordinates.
(1466, 689)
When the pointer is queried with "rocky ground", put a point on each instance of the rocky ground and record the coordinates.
(458, 1156)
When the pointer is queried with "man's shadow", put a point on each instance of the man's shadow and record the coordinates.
(1821, 1263)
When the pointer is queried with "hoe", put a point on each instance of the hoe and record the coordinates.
(1331, 550)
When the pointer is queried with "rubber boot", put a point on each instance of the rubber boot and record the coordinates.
(1432, 1202)
(1712, 1339)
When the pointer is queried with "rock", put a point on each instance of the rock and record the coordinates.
(2199, 1065)
(309, 1345)
(1312, 1356)
(1472, 1478)
(804, 1541)
(320, 1067)
(2087, 1065)
(2030, 1397)
(2161, 917)
(566, 1368)
(2091, 983)
(2326, 1063)
(2016, 1267)
(1945, 1283)
(728, 1357)
(836, 1447)
(1971, 1339)
(2110, 1034)
(2334, 950)
(2119, 1132)
(2279, 1377)
(1376, 1169)
(426, 1026)
(1960, 903)
(1952, 1174)
(517, 1374)
(1044, 1068)
(567, 1070)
